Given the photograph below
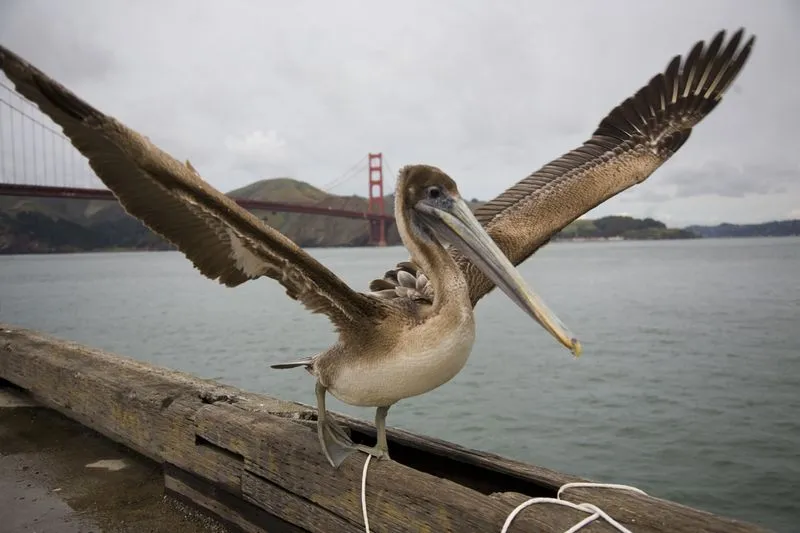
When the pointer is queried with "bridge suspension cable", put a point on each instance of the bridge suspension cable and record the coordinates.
(391, 174)
(347, 175)
(38, 160)
(33, 151)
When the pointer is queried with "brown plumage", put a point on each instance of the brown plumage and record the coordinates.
(387, 349)
(630, 143)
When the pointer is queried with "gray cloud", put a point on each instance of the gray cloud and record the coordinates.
(249, 90)
(720, 178)
(724, 179)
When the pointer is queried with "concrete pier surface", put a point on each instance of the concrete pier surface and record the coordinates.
(57, 476)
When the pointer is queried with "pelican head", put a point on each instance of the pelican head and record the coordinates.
(439, 213)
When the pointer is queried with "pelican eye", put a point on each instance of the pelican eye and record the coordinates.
(434, 192)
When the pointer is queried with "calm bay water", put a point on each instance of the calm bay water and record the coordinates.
(689, 386)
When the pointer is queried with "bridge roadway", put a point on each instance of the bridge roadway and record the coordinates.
(41, 191)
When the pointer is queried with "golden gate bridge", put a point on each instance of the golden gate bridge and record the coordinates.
(38, 160)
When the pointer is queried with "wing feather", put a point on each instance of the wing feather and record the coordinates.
(628, 145)
(224, 241)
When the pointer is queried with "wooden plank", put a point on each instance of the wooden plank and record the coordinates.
(288, 455)
(184, 449)
(194, 499)
(481, 469)
(293, 508)
(264, 451)
(14, 398)
(233, 510)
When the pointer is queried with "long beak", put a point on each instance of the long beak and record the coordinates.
(458, 226)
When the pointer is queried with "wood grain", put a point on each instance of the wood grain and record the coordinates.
(259, 452)
(240, 514)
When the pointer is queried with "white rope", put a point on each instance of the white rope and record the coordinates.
(594, 511)
(364, 493)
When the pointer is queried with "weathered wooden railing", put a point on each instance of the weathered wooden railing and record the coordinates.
(255, 461)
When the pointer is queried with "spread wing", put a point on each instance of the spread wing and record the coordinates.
(224, 241)
(631, 142)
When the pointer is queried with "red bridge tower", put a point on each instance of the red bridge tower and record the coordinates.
(377, 234)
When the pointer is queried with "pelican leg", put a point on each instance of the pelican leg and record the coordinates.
(381, 448)
(336, 444)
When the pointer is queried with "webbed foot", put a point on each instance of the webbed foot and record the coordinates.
(376, 451)
(381, 448)
(336, 443)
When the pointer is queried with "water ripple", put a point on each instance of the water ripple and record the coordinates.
(688, 387)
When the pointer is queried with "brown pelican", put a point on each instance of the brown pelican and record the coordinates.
(387, 349)
(630, 143)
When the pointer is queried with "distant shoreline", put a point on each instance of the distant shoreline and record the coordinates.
(40, 226)
(569, 240)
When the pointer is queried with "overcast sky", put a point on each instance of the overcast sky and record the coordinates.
(488, 91)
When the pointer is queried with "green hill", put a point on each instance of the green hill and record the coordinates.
(776, 228)
(314, 230)
(39, 225)
(618, 227)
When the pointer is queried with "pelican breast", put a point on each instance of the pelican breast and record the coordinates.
(423, 357)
